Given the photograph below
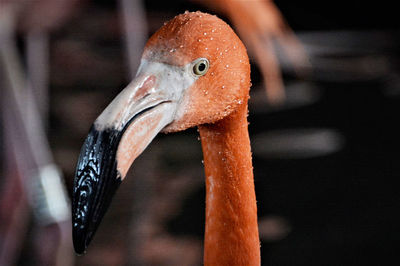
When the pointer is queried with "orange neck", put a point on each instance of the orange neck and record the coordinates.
(231, 235)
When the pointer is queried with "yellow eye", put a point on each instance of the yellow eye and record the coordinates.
(200, 67)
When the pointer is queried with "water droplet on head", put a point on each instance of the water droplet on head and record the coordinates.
(202, 161)
(211, 38)
(186, 11)
(206, 48)
(223, 86)
(205, 33)
(212, 30)
(227, 66)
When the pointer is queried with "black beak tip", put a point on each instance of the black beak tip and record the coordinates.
(80, 242)
(80, 249)
(96, 181)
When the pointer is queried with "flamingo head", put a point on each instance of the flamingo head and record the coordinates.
(194, 70)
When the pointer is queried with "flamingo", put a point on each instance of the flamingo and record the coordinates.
(194, 72)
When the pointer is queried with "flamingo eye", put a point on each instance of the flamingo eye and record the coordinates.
(200, 66)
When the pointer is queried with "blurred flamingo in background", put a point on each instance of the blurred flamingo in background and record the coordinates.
(194, 72)
(259, 23)
(32, 179)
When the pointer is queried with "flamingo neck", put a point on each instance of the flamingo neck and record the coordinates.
(231, 234)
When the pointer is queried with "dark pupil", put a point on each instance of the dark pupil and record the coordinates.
(202, 67)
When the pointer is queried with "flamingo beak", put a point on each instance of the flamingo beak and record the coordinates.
(116, 139)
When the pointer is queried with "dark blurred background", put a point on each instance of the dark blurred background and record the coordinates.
(325, 160)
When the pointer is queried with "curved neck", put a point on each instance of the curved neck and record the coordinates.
(231, 235)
